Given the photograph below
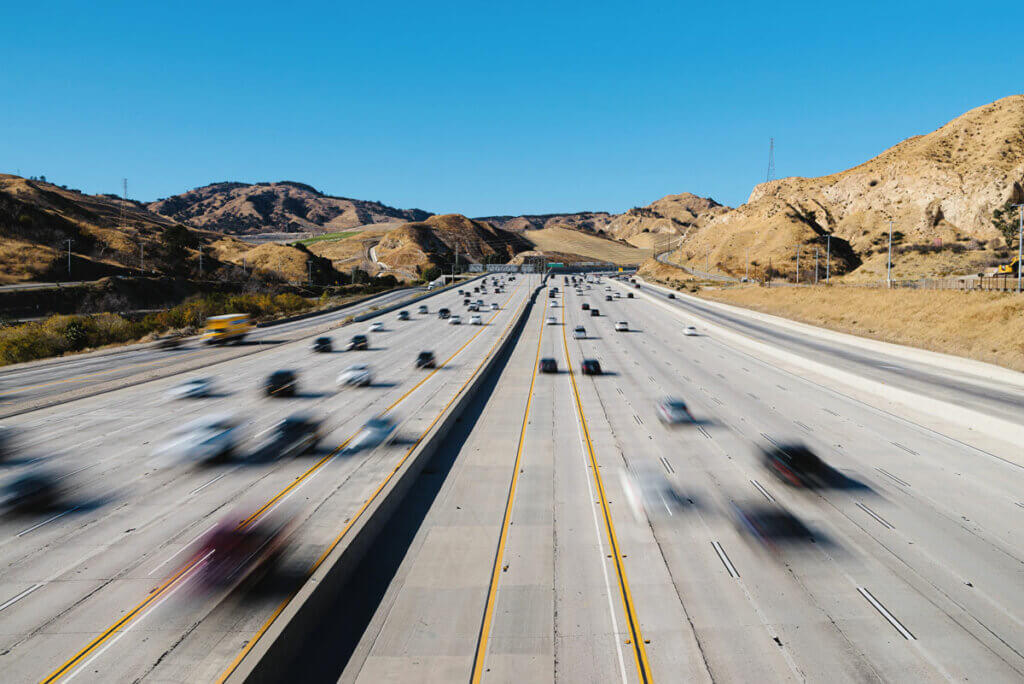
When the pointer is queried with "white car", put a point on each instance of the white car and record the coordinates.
(455, 320)
(618, 295)
(494, 306)
(552, 320)
(690, 331)
(376, 327)
(358, 375)
(191, 389)
(554, 304)
(374, 432)
(209, 438)
(622, 326)
(475, 319)
(579, 332)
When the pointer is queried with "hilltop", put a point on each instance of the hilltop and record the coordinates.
(282, 207)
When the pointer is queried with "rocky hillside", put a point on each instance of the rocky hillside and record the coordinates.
(587, 221)
(284, 207)
(939, 189)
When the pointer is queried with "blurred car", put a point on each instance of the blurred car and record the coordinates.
(548, 365)
(423, 309)
(358, 375)
(376, 326)
(671, 295)
(618, 295)
(494, 306)
(590, 367)
(690, 331)
(462, 292)
(426, 359)
(473, 307)
(210, 438)
(579, 332)
(552, 320)
(595, 312)
(281, 383)
(323, 345)
(232, 553)
(629, 295)
(191, 389)
(455, 320)
(607, 298)
(373, 433)
(403, 315)
(475, 319)
(290, 437)
(621, 326)
(169, 342)
(794, 464)
(648, 491)
(358, 342)
(771, 525)
(466, 302)
(585, 306)
(443, 313)
(672, 411)
(7, 446)
(32, 490)
(554, 304)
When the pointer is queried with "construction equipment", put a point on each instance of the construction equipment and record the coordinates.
(1011, 268)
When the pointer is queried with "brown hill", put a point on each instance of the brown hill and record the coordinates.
(940, 190)
(589, 221)
(669, 216)
(283, 207)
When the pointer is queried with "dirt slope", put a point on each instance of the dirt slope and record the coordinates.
(590, 247)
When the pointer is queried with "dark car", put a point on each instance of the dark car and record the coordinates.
(359, 342)
(595, 312)
(794, 464)
(465, 302)
(322, 344)
(231, 553)
(590, 367)
(444, 313)
(281, 383)
(772, 526)
(403, 315)
(607, 298)
(671, 295)
(585, 306)
(36, 490)
(293, 436)
(426, 359)
(548, 365)
(629, 295)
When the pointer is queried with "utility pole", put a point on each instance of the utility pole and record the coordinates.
(1020, 245)
(815, 264)
(69, 241)
(888, 270)
(746, 276)
(309, 265)
(142, 258)
(200, 261)
(828, 258)
(798, 264)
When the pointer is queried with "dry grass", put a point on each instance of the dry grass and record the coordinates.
(590, 246)
(985, 326)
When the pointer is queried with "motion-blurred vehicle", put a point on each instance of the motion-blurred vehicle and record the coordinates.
(281, 383)
(671, 295)
(403, 315)
(373, 433)
(426, 359)
(423, 309)
(169, 342)
(690, 331)
(590, 367)
(443, 313)
(290, 437)
(672, 411)
(579, 332)
(621, 326)
(466, 302)
(771, 525)
(552, 320)
(618, 295)
(7, 445)
(323, 345)
(376, 326)
(794, 464)
(191, 389)
(33, 490)
(554, 304)
(455, 320)
(585, 307)
(548, 365)
(358, 375)
(210, 438)
(232, 553)
(476, 319)
(358, 343)
(649, 491)
(607, 298)
(595, 312)
(462, 293)
(629, 295)
(226, 328)
(494, 306)
(473, 307)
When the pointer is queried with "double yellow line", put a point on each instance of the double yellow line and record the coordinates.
(162, 589)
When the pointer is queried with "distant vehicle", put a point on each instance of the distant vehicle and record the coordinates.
(191, 389)
(323, 345)
(494, 306)
(281, 383)
(443, 313)
(771, 525)
(475, 319)
(358, 343)
(648, 492)
(455, 320)
(552, 320)
(479, 302)
(590, 367)
(466, 302)
(7, 442)
(548, 365)
(690, 331)
(33, 490)
(462, 293)
(552, 294)
(794, 464)
(579, 332)
(231, 553)
(595, 312)
(671, 295)
(473, 307)
(425, 359)
(403, 315)
(585, 306)
(618, 295)
(554, 304)
(226, 328)
(621, 326)
(376, 326)
(374, 433)
(293, 436)
(423, 309)
(210, 438)
(358, 375)
(607, 298)
(629, 295)
(672, 411)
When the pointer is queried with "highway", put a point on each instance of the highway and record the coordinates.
(532, 565)
(99, 589)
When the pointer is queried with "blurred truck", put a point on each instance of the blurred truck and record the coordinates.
(226, 328)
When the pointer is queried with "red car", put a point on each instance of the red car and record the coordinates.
(591, 367)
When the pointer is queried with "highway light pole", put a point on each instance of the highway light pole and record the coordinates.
(1020, 244)
(69, 241)
(888, 269)
(815, 265)
(746, 276)
(828, 257)
(798, 264)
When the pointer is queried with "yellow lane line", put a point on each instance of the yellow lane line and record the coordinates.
(362, 509)
(134, 612)
(636, 638)
(492, 590)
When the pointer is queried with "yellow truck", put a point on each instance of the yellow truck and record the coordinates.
(226, 328)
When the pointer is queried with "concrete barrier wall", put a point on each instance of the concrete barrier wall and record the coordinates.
(269, 659)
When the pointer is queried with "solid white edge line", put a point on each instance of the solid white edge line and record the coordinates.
(886, 614)
(11, 602)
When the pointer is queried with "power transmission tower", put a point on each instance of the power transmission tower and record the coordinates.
(771, 160)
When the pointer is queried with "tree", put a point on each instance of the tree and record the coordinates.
(359, 276)
(1005, 219)
(431, 273)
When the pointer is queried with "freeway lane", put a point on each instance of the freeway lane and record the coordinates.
(96, 564)
(25, 386)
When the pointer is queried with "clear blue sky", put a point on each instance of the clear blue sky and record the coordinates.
(485, 108)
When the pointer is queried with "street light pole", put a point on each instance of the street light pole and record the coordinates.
(888, 270)
(798, 264)
(828, 258)
(69, 241)
(815, 264)
(1020, 245)
(747, 274)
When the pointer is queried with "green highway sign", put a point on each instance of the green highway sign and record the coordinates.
(555, 265)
